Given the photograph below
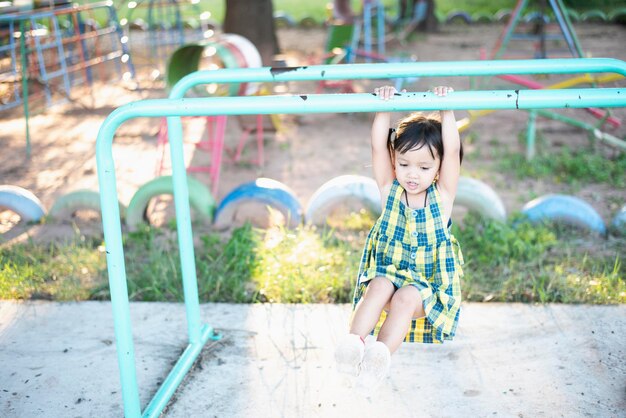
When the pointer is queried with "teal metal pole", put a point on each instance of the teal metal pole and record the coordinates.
(504, 38)
(183, 225)
(531, 132)
(594, 131)
(24, 64)
(115, 263)
(560, 13)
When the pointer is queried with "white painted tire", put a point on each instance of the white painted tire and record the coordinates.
(251, 56)
(22, 202)
(269, 192)
(68, 204)
(478, 196)
(567, 209)
(337, 190)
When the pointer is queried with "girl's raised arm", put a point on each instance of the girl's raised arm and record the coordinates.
(451, 163)
(381, 158)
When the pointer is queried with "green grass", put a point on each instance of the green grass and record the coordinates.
(153, 266)
(515, 261)
(521, 262)
(304, 266)
(569, 167)
(59, 271)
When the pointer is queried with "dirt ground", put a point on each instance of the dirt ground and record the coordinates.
(314, 149)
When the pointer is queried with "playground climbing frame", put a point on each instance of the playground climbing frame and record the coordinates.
(177, 107)
(48, 51)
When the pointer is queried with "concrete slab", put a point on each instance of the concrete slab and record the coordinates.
(511, 360)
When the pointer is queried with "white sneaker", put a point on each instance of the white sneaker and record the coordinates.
(348, 354)
(374, 367)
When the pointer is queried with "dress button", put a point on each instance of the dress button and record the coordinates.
(414, 213)
(413, 255)
(414, 233)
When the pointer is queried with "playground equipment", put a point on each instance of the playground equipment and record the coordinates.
(371, 9)
(68, 204)
(539, 34)
(480, 197)
(338, 190)
(283, 20)
(22, 202)
(342, 46)
(226, 51)
(166, 27)
(199, 197)
(263, 190)
(57, 48)
(175, 108)
(568, 209)
(593, 130)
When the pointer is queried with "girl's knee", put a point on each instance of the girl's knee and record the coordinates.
(406, 298)
(379, 286)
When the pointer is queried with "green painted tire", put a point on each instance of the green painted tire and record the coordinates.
(503, 16)
(68, 204)
(482, 18)
(283, 20)
(187, 59)
(618, 16)
(591, 16)
(200, 199)
(573, 15)
(308, 22)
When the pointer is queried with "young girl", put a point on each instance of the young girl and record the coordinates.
(408, 287)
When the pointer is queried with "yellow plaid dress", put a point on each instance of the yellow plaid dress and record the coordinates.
(411, 247)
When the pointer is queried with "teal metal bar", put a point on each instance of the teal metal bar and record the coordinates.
(405, 69)
(367, 102)
(175, 108)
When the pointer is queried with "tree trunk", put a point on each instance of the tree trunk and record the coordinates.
(255, 21)
(428, 24)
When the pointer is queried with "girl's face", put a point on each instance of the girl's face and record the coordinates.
(416, 169)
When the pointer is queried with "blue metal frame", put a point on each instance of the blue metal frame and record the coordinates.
(176, 107)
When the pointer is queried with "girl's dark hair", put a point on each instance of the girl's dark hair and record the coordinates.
(416, 131)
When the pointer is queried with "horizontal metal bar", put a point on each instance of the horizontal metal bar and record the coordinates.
(404, 69)
(344, 103)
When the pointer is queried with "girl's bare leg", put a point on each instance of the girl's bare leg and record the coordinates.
(378, 293)
(406, 304)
